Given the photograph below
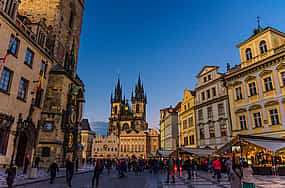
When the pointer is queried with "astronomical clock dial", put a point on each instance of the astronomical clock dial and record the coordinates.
(48, 126)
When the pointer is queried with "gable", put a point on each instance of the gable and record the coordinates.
(206, 70)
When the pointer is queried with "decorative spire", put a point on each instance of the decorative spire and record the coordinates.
(139, 90)
(259, 28)
(118, 91)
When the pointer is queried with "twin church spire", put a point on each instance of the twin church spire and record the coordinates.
(139, 92)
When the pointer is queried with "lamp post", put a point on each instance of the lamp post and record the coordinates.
(21, 126)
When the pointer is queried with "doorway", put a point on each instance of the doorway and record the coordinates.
(21, 150)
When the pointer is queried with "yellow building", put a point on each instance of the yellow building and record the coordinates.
(87, 136)
(186, 120)
(256, 87)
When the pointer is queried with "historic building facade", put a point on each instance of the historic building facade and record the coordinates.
(87, 136)
(152, 142)
(256, 88)
(105, 146)
(186, 120)
(24, 66)
(212, 109)
(169, 127)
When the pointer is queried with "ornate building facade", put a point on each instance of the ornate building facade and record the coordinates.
(256, 87)
(212, 109)
(186, 120)
(169, 127)
(87, 136)
(105, 147)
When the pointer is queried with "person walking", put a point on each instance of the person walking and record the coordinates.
(26, 164)
(97, 171)
(109, 166)
(53, 168)
(69, 165)
(228, 165)
(187, 166)
(236, 176)
(170, 170)
(37, 161)
(217, 167)
(11, 174)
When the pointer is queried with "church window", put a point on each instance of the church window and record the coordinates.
(262, 47)
(248, 54)
(137, 108)
(115, 109)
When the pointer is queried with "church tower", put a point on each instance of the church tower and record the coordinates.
(64, 19)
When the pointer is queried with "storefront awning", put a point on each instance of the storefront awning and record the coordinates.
(165, 153)
(199, 151)
(273, 145)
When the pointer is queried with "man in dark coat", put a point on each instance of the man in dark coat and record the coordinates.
(53, 168)
(97, 171)
(11, 171)
(26, 164)
(37, 161)
(69, 165)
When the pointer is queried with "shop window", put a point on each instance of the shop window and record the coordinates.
(224, 130)
(257, 119)
(238, 93)
(274, 116)
(252, 89)
(248, 54)
(268, 84)
(45, 152)
(262, 47)
(242, 122)
(212, 131)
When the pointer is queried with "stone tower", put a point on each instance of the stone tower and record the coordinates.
(139, 101)
(64, 18)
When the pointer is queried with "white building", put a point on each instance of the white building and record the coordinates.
(105, 147)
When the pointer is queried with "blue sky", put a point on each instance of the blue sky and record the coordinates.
(167, 41)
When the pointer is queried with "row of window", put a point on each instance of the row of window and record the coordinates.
(262, 49)
(207, 78)
(5, 84)
(108, 149)
(132, 148)
(221, 112)
(208, 94)
(212, 133)
(268, 86)
(187, 123)
(257, 118)
(189, 140)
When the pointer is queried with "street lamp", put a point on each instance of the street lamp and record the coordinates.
(21, 126)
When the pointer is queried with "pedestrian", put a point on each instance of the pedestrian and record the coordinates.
(53, 168)
(228, 165)
(109, 166)
(236, 175)
(11, 174)
(69, 165)
(187, 166)
(37, 161)
(217, 167)
(97, 171)
(26, 164)
(170, 170)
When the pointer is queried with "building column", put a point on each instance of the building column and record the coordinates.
(262, 101)
(244, 91)
(275, 77)
(249, 121)
(282, 113)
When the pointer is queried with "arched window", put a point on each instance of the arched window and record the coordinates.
(116, 110)
(248, 54)
(262, 47)
(137, 108)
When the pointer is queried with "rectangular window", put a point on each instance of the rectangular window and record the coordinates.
(200, 114)
(238, 93)
(184, 124)
(191, 140)
(208, 94)
(283, 78)
(45, 152)
(205, 79)
(186, 141)
(252, 89)
(212, 131)
(224, 130)
(202, 133)
(210, 112)
(214, 91)
(190, 121)
(29, 57)
(209, 77)
(38, 98)
(23, 87)
(13, 46)
(242, 122)
(274, 116)
(257, 119)
(43, 68)
(6, 79)
(221, 110)
(203, 96)
(268, 84)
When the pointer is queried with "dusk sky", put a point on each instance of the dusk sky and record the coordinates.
(167, 41)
